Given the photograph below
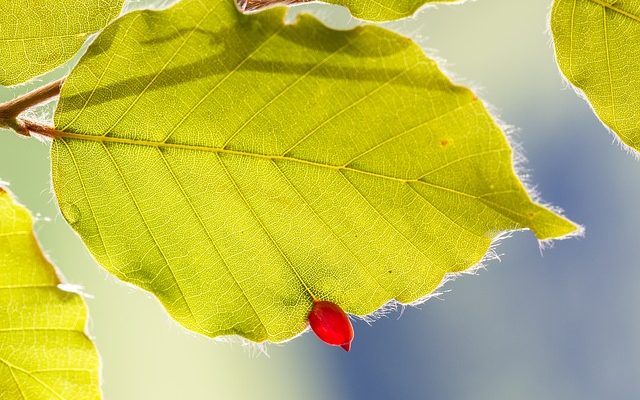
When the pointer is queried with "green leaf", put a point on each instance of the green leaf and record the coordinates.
(44, 352)
(36, 36)
(598, 49)
(237, 167)
(370, 10)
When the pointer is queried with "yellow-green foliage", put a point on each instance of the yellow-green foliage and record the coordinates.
(44, 352)
(384, 10)
(36, 36)
(238, 167)
(598, 49)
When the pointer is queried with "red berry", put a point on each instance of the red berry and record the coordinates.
(331, 324)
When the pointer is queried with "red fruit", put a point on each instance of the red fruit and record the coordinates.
(331, 324)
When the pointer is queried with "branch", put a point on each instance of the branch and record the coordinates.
(10, 110)
(255, 5)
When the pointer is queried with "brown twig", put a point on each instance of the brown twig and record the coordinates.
(255, 5)
(10, 110)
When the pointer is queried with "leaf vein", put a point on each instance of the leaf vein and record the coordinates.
(15, 379)
(460, 159)
(349, 107)
(29, 374)
(264, 228)
(155, 241)
(609, 72)
(285, 90)
(99, 81)
(344, 245)
(431, 263)
(161, 70)
(210, 238)
(616, 9)
(218, 84)
(422, 196)
(420, 125)
(86, 196)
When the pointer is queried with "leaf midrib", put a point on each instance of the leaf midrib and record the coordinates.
(59, 135)
(220, 150)
(616, 9)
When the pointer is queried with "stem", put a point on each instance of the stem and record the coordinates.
(254, 5)
(10, 110)
(35, 127)
(16, 106)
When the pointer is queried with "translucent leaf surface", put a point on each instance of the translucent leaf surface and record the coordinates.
(598, 49)
(44, 352)
(36, 36)
(371, 10)
(238, 167)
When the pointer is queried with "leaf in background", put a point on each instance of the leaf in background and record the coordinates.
(370, 10)
(44, 352)
(36, 36)
(598, 49)
(236, 167)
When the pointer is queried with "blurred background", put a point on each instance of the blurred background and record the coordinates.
(557, 324)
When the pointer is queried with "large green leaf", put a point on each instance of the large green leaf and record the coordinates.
(371, 10)
(44, 352)
(598, 49)
(36, 36)
(238, 167)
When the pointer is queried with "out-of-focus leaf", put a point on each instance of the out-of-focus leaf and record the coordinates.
(36, 36)
(371, 10)
(44, 352)
(598, 49)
